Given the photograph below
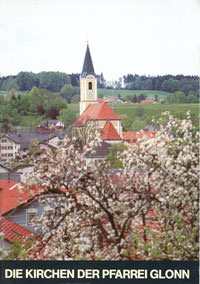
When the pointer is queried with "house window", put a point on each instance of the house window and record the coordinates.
(90, 86)
(4, 140)
(4, 147)
(49, 211)
(30, 215)
(10, 155)
(134, 140)
(10, 147)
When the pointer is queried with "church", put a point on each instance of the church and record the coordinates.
(93, 113)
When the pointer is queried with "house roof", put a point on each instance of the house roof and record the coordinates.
(47, 123)
(24, 137)
(11, 230)
(100, 151)
(131, 137)
(97, 111)
(10, 176)
(148, 134)
(87, 65)
(101, 100)
(147, 101)
(6, 168)
(10, 197)
(109, 132)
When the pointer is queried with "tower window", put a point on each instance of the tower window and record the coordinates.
(90, 85)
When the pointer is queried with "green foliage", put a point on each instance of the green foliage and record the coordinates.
(139, 112)
(74, 79)
(128, 97)
(27, 109)
(179, 98)
(75, 99)
(113, 156)
(169, 83)
(67, 116)
(192, 99)
(53, 81)
(12, 84)
(18, 249)
(68, 91)
(74, 108)
(127, 123)
(26, 80)
(138, 124)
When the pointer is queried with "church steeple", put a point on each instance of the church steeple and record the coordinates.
(88, 83)
(87, 65)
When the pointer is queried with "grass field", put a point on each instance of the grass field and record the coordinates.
(157, 109)
(137, 116)
(108, 93)
(150, 109)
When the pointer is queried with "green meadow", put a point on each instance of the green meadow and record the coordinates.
(109, 93)
(137, 116)
(155, 110)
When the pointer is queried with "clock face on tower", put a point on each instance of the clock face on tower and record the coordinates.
(90, 94)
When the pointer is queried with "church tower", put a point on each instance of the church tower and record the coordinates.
(88, 83)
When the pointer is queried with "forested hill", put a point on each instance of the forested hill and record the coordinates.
(25, 81)
(54, 81)
(168, 83)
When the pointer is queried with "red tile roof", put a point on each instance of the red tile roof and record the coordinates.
(12, 230)
(148, 134)
(131, 137)
(97, 111)
(147, 101)
(109, 132)
(101, 100)
(10, 197)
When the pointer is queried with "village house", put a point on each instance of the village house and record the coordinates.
(24, 171)
(133, 137)
(50, 124)
(148, 102)
(98, 153)
(8, 174)
(17, 144)
(13, 223)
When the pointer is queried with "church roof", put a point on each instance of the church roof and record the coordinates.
(109, 132)
(87, 65)
(97, 111)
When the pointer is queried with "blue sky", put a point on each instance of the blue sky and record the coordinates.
(125, 36)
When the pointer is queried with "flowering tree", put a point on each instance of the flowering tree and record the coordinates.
(148, 210)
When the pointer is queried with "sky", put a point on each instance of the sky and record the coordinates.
(145, 37)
